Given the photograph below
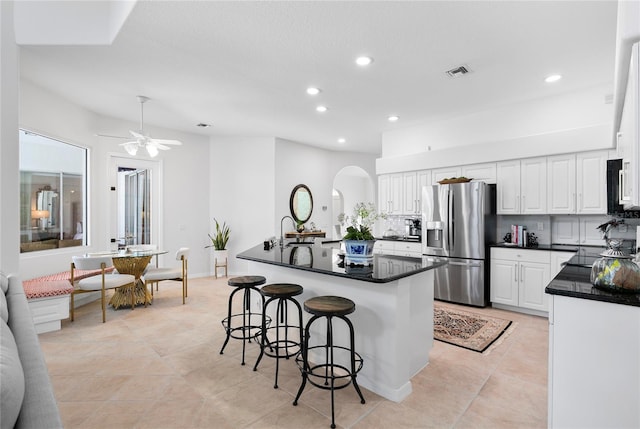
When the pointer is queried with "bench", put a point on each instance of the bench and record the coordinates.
(48, 298)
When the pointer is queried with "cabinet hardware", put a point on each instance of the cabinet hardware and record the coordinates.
(516, 271)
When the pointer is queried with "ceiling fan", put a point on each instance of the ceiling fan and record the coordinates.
(142, 140)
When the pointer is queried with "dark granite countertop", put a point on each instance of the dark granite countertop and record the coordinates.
(325, 258)
(401, 239)
(575, 281)
(547, 247)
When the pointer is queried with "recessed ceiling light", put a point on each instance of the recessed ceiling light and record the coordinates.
(553, 78)
(364, 61)
(203, 125)
(321, 109)
(313, 90)
(393, 118)
(342, 140)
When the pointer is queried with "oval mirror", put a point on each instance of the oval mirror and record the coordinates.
(301, 203)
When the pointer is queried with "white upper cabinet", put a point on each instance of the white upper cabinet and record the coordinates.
(410, 185)
(533, 185)
(445, 173)
(390, 198)
(522, 186)
(627, 145)
(480, 172)
(508, 187)
(591, 182)
(561, 184)
(424, 179)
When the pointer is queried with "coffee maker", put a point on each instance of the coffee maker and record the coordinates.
(413, 229)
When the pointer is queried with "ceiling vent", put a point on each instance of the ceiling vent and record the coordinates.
(458, 71)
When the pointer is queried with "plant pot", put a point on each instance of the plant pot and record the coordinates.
(358, 252)
(220, 261)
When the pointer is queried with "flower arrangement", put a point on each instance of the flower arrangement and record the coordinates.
(219, 241)
(360, 222)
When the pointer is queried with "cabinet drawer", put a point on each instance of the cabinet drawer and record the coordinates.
(519, 255)
(384, 245)
(409, 247)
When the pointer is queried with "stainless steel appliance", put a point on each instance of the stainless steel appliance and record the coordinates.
(413, 229)
(458, 222)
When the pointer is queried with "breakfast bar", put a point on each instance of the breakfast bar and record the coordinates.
(393, 320)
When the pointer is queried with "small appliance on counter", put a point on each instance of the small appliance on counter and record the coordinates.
(413, 229)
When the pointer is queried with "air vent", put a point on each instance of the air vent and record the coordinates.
(458, 71)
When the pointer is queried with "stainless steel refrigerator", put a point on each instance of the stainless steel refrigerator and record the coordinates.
(458, 222)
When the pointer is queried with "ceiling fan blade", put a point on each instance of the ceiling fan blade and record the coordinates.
(137, 135)
(169, 142)
(161, 146)
(112, 137)
(126, 143)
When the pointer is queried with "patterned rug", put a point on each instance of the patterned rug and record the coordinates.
(465, 329)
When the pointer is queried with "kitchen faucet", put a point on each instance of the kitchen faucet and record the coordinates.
(282, 220)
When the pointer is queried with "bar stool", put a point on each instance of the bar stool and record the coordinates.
(232, 325)
(325, 374)
(282, 346)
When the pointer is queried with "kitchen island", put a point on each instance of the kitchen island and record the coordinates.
(393, 320)
(594, 350)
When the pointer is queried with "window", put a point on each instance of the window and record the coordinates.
(52, 193)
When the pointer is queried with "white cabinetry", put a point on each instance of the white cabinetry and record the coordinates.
(522, 186)
(399, 248)
(445, 173)
(519, 277)
(577, 183)
(412, 191)
(594, 376)
(390, 193)
(627, 145)
(480, 172)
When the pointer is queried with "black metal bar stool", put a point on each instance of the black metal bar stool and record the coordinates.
(330, 374)
(275, 340)
(242, 330)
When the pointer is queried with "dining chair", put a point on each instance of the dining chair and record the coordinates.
(99, 282)
(179, 273)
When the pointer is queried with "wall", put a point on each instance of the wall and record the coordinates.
(573, 122)
(298, 163)
(51, 115)
(242, 194)
(9, 155)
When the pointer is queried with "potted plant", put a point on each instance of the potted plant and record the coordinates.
(359, 240)
(219, 244)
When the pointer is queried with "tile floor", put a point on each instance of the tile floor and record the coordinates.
(160, 367)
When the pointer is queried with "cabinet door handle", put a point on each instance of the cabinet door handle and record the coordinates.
(516, 270)
(524, 204)
(580, 207)
(522, 273)
(621, 186)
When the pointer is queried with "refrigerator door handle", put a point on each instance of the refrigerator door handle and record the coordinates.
(465, 264)
(450, 221)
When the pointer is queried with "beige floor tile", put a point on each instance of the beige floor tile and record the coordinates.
(161, 367)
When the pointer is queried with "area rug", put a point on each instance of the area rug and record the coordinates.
(466, 329)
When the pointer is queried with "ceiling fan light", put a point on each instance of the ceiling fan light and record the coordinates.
(131, 148)
(152, 150)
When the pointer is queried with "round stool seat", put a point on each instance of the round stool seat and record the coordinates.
(329, 306)
(278, 290)
(247, 281)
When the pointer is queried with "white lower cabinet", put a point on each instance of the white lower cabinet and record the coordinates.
(519, 277)
(557, 262)
(398, 248)
(594, 376)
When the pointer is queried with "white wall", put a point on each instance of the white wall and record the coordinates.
(9, 155)
(298, 163)
(184, 184)
(242, 194)
(573, 122)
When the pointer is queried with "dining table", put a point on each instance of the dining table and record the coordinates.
(132, 262)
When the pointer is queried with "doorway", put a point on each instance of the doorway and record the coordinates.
(135, 213)
(351, 185)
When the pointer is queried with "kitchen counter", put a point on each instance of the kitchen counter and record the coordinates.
(574, 280)
(327, 259)
(393, 320)
(546, 247)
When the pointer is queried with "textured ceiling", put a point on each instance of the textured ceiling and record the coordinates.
(243, 67)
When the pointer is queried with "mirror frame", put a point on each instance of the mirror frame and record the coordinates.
(291, 205)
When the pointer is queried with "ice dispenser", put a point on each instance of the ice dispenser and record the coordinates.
(434, 234)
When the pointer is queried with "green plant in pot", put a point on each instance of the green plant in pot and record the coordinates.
(219, 244)
(359, 239)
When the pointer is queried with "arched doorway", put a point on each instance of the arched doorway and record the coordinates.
(351, 185)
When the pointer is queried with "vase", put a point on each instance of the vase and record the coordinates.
(615, 270)
(358, 252)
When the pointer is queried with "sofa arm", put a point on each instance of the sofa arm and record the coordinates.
(39, 408)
